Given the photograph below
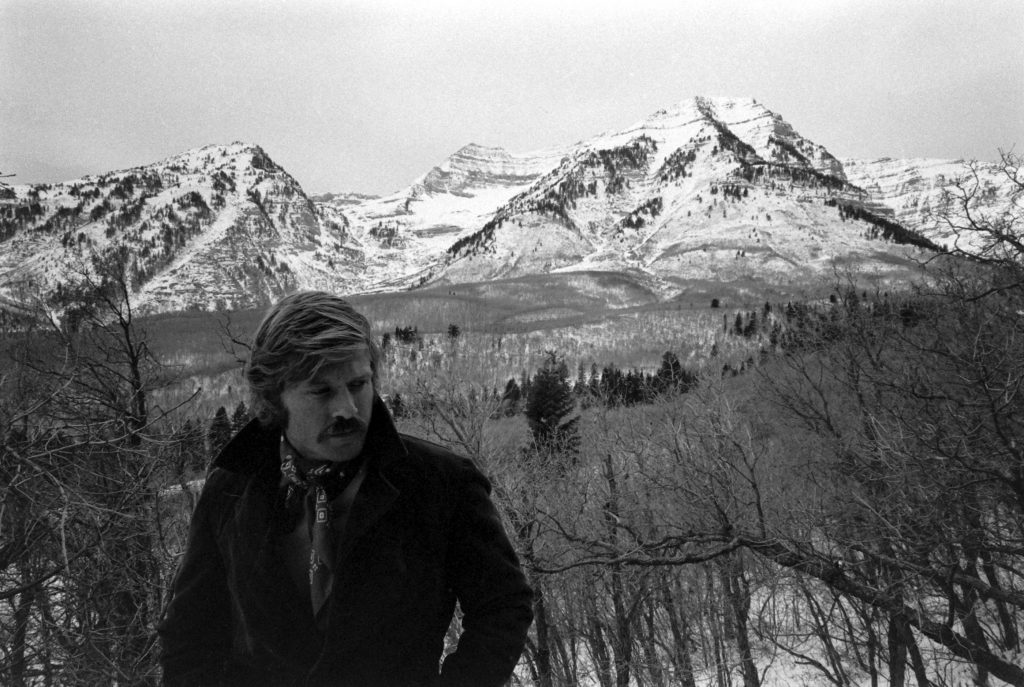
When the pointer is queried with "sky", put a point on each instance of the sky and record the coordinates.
(365, 96)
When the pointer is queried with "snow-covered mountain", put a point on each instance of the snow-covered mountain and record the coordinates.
(915, 189)
(711, 190)
(407, 233)
(216, 227)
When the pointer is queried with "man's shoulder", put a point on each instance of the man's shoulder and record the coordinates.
(434, 454)
(222, 479)
(430, 466)
(223, 485)
(440, 460)
(251, 449)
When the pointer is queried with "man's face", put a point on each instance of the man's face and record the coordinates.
(328, 414)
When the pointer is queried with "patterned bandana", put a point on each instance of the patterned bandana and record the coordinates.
(314, 481)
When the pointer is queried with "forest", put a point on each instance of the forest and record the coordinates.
(832, 495)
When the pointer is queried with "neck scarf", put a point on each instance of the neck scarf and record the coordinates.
(314, 480)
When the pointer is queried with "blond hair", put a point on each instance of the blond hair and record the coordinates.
(301, 333)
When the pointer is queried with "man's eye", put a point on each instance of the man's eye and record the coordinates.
(355, 386)
(319, 391)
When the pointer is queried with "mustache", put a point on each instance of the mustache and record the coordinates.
(342, 425)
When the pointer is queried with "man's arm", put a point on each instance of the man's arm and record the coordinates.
(195, 633)
(484, 572)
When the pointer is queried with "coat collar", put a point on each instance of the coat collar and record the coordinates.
(254, 454)
(256, 446)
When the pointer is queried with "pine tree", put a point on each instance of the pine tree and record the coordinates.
(510, 399)
(595, 381)
(219, 433)
(634, 391)
(548, 406)
(613, 386)
(670, 373)
(751, 327)
(397, 405)
(524, 386)
(187, 444)
(240, 418)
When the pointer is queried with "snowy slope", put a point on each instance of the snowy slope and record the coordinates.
(710, 189)
(216, 227)
(718, 189)
(406, 232)
(916, 190)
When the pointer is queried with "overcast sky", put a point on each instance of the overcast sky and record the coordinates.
(366, 96)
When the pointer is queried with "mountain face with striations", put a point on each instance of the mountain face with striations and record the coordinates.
(217, 227)
(709, 191)
(916, 191)
(713, 190)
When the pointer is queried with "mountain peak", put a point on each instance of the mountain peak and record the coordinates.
(215, 226)
(195, 160)
(725, 103)
(480, 151)
(475, 166)
(708, 107)
(714, 189)
(238, 151)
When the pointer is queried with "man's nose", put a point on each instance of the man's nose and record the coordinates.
(343, 405)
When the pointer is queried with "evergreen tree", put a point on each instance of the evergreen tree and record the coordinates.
(670, 374)
(187, 444)
(635, 388)
(397, 405)
(613, 386)
(595, 381)
(219, 433)
(510, 399)
(751, 328)
(548, 406)
(581, 380)
(524, 386)
(240, 418)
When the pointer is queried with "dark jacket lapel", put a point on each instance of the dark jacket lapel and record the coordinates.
(376, 495)
(253, 538)
(253, 453)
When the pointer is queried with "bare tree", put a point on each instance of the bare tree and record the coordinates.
(80, 570)
(985, 228)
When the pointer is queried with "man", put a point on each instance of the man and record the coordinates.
(327, 548)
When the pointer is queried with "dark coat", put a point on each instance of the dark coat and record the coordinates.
(422, 534)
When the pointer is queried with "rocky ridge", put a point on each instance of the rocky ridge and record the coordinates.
(916, 190)
(711, 189)
(217, 227)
